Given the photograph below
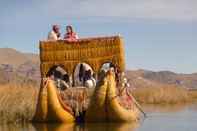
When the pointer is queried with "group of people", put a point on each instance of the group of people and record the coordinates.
(85, 74)
(55, 34)
(83, 77)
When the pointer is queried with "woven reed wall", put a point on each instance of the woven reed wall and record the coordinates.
(93, 51)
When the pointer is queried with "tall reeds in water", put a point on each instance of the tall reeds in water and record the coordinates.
(162, 95)
(17, 102)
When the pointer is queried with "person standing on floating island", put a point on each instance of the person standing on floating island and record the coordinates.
(70, 34)
(55, 33)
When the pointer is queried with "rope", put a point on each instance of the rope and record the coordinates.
(46, 82)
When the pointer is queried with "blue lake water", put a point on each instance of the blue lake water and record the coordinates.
(160, 118)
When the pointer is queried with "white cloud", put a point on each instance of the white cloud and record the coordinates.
(175, 10)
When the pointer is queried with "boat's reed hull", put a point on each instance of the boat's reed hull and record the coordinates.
(105, 107)
(49, 106)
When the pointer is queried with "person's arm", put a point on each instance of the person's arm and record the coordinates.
(76, 36)
(59, 36)
(64, 84)
(65, 36)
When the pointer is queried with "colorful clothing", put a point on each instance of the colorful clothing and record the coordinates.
(71, 36)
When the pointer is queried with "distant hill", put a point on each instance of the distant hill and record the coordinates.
(18, 66)
(15, 58)
(188, 81)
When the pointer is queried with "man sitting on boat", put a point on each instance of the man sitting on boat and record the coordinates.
(55, 33)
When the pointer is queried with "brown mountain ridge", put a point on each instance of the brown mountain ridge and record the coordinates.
(16, 66)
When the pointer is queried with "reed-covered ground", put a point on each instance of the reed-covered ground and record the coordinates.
(18, 102)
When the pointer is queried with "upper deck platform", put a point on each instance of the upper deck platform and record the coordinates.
(93, 51)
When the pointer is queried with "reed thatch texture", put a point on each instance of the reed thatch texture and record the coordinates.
(93, 51)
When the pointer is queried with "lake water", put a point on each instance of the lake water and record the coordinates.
(160, 118)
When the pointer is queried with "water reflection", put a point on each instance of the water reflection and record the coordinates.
(17, 127)
(54, 127)
(180, 117)
(87, 127)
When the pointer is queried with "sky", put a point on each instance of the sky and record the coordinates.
(158, 34)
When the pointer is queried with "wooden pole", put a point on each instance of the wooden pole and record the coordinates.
(136, 103)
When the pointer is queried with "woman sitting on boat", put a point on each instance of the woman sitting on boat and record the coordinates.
(70, 34)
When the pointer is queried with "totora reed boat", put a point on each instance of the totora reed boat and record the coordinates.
(104, 105)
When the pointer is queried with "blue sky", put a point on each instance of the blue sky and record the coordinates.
(158, 34)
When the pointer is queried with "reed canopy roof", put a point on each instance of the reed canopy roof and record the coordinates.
(93, 51)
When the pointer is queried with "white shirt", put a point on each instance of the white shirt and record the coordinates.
(52, 36)
(91, 83)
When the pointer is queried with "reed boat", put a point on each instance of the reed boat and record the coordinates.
(104, 106)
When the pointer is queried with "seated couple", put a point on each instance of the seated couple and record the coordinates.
(55, 34)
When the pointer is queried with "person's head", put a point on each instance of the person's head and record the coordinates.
(111, 65)
(51, 71)
(56, 28)
(66, 78)
(88, 74)
(112, 69)
(58, 74)
(69, 29)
